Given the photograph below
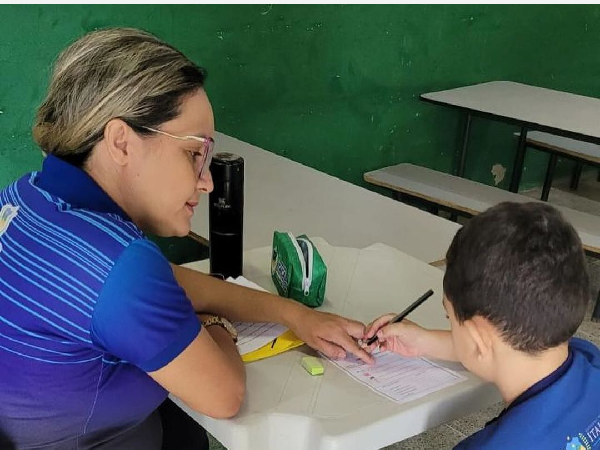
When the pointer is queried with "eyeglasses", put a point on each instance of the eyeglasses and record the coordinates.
(202, 159)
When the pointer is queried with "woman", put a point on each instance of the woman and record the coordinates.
(96, 328)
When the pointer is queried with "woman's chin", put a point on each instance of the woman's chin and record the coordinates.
(180, 229)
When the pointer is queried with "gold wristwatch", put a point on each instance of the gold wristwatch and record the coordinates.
(223, 323)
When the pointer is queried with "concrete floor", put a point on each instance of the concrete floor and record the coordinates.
(587, 199)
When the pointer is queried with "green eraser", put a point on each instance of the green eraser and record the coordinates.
(312, 365)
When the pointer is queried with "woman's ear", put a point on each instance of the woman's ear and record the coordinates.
(117, 135)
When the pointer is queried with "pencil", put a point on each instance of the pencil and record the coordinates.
(405, 313)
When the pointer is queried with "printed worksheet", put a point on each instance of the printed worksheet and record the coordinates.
(397, 378)
(254, 335)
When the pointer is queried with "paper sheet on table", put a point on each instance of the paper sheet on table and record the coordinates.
(254, 335)
(255, 339)
(400, 379)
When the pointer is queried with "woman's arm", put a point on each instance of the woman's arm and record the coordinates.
(333, 335)
(208, 375)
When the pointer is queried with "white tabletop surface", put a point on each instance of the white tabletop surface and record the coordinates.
(286, 408)
(542, 108)
(283, 195)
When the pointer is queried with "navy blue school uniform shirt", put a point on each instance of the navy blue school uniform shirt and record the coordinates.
(88, 306)
(560, 412)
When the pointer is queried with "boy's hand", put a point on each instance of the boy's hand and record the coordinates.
(405, 338)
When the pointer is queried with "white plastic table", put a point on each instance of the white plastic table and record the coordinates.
(286, 408)
(283, 195)
(530, 107)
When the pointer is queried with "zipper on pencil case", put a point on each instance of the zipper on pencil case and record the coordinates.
(306, 261)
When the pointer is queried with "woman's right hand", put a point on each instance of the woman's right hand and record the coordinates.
(405, 338)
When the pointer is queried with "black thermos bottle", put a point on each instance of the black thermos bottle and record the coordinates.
(226, 215)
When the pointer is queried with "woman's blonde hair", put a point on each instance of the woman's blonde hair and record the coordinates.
(111, 73)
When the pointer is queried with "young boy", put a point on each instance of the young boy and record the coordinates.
(516, 289)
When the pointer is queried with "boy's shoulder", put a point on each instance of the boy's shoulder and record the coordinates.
(560, 413)
(588, 349)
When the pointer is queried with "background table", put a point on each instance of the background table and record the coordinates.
(530, 107)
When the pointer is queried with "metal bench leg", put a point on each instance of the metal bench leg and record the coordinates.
(519, 159)
(596, 312)
(431, 207)
(576, 175)
(549, 176)
(463, 151)
(398, 196)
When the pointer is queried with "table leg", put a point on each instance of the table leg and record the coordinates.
(549, 176)
(576, 175)
(519, 159)
(463, 151)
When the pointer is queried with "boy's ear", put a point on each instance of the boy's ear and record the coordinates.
(482, 334)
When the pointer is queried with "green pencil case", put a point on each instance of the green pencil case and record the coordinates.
(297, 269)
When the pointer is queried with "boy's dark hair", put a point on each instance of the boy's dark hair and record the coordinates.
(522, 267)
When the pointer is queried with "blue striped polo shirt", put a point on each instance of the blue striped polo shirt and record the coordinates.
(88, 305)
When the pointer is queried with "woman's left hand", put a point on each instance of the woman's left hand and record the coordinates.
(333, 335)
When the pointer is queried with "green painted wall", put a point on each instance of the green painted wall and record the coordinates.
(334, 87)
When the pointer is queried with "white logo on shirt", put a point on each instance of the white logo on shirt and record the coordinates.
(7, 214)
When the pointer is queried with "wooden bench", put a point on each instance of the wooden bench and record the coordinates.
(472, 198)
(559, 146)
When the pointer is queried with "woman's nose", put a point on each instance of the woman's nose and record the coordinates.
(205, 182)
